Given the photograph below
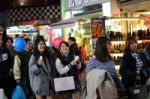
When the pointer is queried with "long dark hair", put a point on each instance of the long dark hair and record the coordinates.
(101, 52)
(35, 48)
(65, 60)
(129, 40)
(63, 42)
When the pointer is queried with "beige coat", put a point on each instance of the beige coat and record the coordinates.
(100, 80)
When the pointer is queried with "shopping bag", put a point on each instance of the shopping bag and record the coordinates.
(18, 93)
(138, 92)
(2, 94)
(64, 83)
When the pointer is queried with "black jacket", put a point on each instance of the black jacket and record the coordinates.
(128, 71)
(6, 65)
(24, 66)
(74, 49)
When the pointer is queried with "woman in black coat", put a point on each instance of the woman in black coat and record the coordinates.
(7, 81)
(68, 65)
(131, 65)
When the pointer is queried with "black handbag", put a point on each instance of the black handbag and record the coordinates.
(137, 92)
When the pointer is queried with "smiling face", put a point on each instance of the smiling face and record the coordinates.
(64, 49)
(41, 47)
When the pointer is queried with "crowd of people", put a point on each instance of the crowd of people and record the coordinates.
(35, 68)
(134, 71)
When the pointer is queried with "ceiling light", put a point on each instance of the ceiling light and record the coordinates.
(124, 19)
(22, 3)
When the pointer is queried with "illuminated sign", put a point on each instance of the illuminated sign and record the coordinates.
(70, 4)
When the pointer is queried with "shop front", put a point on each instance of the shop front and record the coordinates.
(85, 20)
(82, 19)
(33, 21)
(133, 21)
(31, 31)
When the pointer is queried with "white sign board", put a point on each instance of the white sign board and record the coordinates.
(71, 4)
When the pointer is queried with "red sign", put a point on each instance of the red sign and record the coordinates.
(147, 20)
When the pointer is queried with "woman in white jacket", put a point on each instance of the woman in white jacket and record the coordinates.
(67, 65)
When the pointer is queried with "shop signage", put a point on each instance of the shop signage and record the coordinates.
(96, 27)
(16, 31)
(146, 19)
(96, 30)
(71, 4)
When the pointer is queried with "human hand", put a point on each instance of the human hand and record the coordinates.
(40, 61)
(76, 58)
(18, 81)
(138, 77)
(74, 62)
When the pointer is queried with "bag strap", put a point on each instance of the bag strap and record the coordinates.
(66, 75)
(98, 94)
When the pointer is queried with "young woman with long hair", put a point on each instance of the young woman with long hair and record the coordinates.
(41, 70)
(131, 65)
(67, 65)
(103, 61)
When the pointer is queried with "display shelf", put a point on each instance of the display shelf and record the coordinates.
(117, 42)
(139, 41)
(143, 41)
(119, 34)
(116, 54)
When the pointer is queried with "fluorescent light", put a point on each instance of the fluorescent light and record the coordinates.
(117, 54)
(125, 19)
(77, 12)
(144, 13)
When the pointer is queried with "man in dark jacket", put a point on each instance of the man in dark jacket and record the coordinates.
(21, 69)
(74, 50)
(73, 46)
(6, 74)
